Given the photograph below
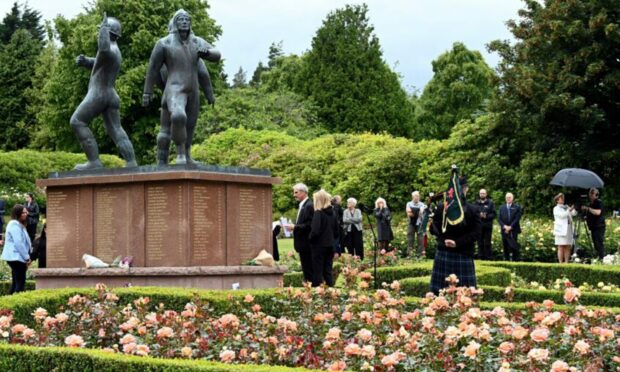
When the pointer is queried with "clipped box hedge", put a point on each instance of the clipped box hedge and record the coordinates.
(5, 285)
(495, 293)
(546, 272)
(296, 278)
(18, 358)
(485, 275)
(23, 304)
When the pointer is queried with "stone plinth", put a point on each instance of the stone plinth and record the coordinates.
(207, 277)
(173, 216)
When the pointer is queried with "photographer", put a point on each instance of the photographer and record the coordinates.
(595, 218)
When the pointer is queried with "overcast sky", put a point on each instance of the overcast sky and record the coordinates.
(412, 32)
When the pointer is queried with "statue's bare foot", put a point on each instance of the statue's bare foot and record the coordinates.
(181, 159)
(191, 161)
(89, 165)
(131, 163)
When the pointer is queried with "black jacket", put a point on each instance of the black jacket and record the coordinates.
(325, 228)
(513, 221)
(301, 232)
(464, 234)
(33, 213)
(384, 228)
(488, 207)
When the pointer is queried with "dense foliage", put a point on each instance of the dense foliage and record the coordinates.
(20, 169)
(18, 61)
(345, 75)
(260, 109)
(557, 99)
(461, 84)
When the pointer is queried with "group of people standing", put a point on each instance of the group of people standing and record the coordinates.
(323, 229)
(19, 244)
(564, 228)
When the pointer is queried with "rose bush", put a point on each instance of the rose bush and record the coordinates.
(338, 329)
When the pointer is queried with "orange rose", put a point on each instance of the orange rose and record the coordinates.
(519, 332)
(227, 356)
(540, 334)
(582, 347)
(538, 354)
(506, 347)
(338, 366)
(572, 294)
(472, 349)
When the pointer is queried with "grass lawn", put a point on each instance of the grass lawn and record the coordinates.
(285, 245)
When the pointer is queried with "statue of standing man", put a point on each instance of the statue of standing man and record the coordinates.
(180, 52)
(102, 98)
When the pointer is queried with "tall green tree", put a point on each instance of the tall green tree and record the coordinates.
(143, 23)
(461, 84)
(17, 65)
(345, 74)
(21, 17)
(557, 100)
(239, 79)
(256, 76)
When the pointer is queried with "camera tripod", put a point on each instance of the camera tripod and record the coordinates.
(577, 231)
(368, 211)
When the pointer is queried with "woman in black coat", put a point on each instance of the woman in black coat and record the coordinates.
(324, 230)
(384, 228)
(33, 215)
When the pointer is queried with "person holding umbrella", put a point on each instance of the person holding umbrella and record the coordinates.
(563, 228)
(595, 218)
(595, 212)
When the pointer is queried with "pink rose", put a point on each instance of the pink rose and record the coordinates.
(540, 334)
(74, 341)
(227, 356)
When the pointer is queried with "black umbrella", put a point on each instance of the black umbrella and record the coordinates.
(577, 177)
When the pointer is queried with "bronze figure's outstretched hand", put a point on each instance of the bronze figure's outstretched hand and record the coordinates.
(80, 60)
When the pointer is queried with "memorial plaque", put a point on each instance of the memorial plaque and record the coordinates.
(249, 222)
(69, 226)
(166, 227)
(208, 224)
(116, 222)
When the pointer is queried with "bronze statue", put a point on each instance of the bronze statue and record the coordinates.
(102, 98)
(180, 52)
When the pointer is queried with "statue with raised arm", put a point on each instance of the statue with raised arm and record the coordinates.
(180, 52)
(102, 98)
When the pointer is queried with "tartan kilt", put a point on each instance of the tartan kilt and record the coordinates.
(446, 263)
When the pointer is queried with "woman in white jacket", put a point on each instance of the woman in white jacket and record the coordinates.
(563, 228)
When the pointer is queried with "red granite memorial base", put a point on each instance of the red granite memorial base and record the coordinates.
(206, 277)
(181, 220)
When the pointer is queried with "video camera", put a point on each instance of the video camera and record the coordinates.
(577, 199)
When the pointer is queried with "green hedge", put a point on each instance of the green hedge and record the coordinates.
(495, 293)
(419, 286)
(20, 170)
(546, 272)
(296, 278)
(19, 358)
(23, 304)
(5, 285)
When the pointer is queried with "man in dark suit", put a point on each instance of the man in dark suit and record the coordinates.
(486, 209)
(509, 218)
(301, 229)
